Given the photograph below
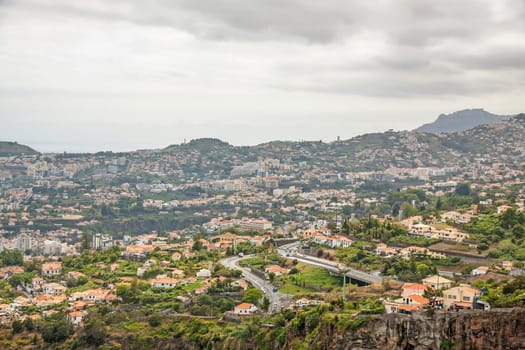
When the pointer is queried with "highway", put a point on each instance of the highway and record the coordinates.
(277, 299)
(290, 251)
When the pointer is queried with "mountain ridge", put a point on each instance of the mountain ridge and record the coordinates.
(498, 142)
(461, 121)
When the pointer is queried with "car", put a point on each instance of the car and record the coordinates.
(274, 289)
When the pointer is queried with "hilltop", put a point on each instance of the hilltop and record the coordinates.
(14, 148)
(369, 152)
(461, 121)
(492, 142)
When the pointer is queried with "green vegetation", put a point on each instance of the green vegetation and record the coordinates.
(509, 293)
(412, 270)
(56, 329)
(11, 257)
(14, 148)
(307, 279)
(504, 233)
(357, 256)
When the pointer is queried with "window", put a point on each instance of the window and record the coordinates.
(466, 298)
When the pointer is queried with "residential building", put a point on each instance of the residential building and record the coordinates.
(75, 317)
(407, 304)
(53, 288)
(245, 309)
(413, 289)
(204, 273)
(51, 269)
(437, 282)
(164, 282)
(255, 225)
(24, 242)
(102, 241)
(456, 217)
(461, 296)
(481, 270)
(384, 250)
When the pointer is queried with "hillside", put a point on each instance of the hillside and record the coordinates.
(13, 148)
(370, 152)
(460, 121)
(501, 141)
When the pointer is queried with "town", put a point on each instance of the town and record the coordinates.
(205, 232)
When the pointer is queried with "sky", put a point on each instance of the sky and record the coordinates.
(85, 76)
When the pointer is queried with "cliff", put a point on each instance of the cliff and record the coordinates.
(497, 329)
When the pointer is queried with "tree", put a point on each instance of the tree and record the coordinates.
(28, 324)
(94, 332)
(197, 245)
(17, 327)
(85, 241)
(518, 231)
(56, 331)
(11, 257)
(266, 304)
(346, 227)
(253, 295)
(463, 189)
(271, 275)
(19, 279)
(439, 204)
(509, 218)
(125, 293)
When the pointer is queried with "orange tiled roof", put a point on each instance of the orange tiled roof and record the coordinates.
(419, 299)
(244, 306)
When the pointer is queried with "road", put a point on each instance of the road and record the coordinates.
(290, 251)
(277, 299)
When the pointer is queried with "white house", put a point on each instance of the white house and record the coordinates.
(53, 288)
(481, 270)
(245, 309)
(204, 273)
(52, 269)
(75, 317)
(164, 282)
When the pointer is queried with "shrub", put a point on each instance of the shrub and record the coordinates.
(17, 327)
(155, 320)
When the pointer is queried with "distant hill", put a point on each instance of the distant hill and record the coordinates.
(202, 144)
(495, 142)
(461, 121)
(13, 148)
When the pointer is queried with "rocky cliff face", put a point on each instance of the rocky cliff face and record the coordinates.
(494, 330)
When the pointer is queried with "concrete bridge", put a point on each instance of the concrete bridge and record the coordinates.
(353, 275)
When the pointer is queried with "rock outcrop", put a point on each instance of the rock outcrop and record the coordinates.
(494, 330)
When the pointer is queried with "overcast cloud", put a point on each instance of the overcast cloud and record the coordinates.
(121, 75)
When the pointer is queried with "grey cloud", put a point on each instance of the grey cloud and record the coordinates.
(387, 87)
(495, 59)
(285, 63)
(412, 23)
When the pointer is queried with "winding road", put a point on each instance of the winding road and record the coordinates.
(277, 299)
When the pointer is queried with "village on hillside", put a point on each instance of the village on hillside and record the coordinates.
(142, 237)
